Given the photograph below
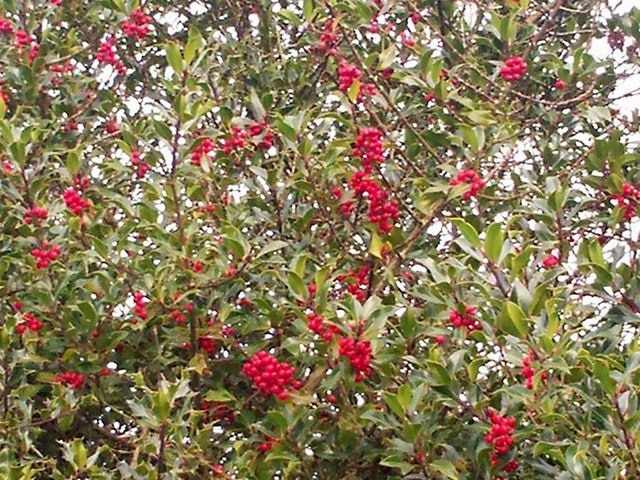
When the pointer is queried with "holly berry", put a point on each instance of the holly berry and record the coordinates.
(137, 25)
(75, 202)
(466, 319)
(471, 178)
(359, 354)
(513, 69)
(550, 261)
(269, 375)
(73, 380)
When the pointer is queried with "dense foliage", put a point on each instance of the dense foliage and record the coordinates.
(358, 239)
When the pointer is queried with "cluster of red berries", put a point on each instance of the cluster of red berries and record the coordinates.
(262, 128)
(267, 444)
(550, 261)
(269, 375)
(386, 73)
(347, 75)
(5, 26)
(81, 183)
(328, 39)
(466, 319)
(142, 167)
(616, 40)
(382, 211)
(357, 282)
(70, 379)
(368, 147)
(202, 150)
(60, 70)
(137, 26)
(217, 411)
(45, 255)
(30, 322)
(470, 177)
(111, 127)
(140, 307)
(317, 325)
(501, 437)
(208, 344)
(236, 142)
(406, 39)
(627, 200)
(24, 39)
(359, 354)
(513, 69)
(75, 202)
(528, 372)
(108, 55)
(208, 208)
(35, 215)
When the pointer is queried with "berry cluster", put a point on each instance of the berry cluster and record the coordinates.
(328, 39)
(111, 127)
(30, 322)
(60, 70)
(627, 200)
(501, 437)
(357, 282)
(5, 26)
(208, 208)
(178, 317)
(359, 354)
(23, 38)
(236, 142)
(75, 202)
(382, 211)
(70, 379)
(208, 344)
(140, 305)
(470, 177)
(513, 69)
(616, 40)
(35, 215)
(368, 147)
(137, 26)
(141, 166)
(45, 255)
(406, 39)
(466, 319)
(387, 73)
(528, 372)
(269, 375)
(550, 261)
(258, 129)
(317, 325)
(559, 84)
(347, 75)
(107, 54)
(202, 150)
